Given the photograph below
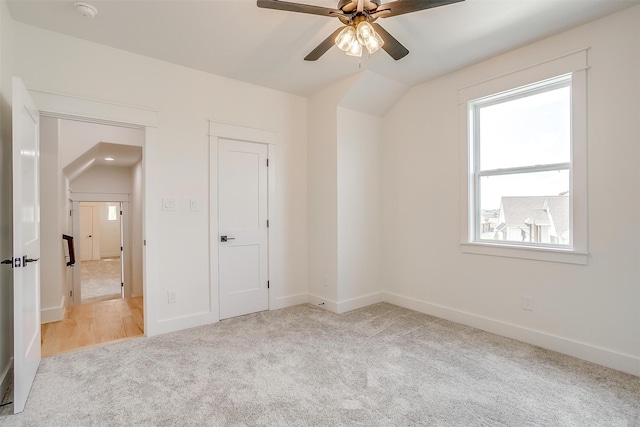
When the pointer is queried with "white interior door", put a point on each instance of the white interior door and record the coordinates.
(26, 243)
(86, 233)
(243, 240)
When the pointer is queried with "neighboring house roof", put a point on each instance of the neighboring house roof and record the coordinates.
(514, 211)
(519, 212)
(558, 207)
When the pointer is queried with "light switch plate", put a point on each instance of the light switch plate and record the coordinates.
(195, 206)
(168, 204)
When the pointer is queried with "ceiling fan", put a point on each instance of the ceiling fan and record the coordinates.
(360, 28)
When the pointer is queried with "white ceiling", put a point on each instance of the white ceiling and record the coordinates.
(236, 39)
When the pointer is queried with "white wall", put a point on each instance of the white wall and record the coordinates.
(588, 311)
(185, 100)
(6, 286)
(323, 198)
(136, 229)
(109, 231)
(103, 179)
(53, 284)
(344, 200)
(359, 216)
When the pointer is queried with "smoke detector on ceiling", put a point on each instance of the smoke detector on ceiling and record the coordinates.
(85, 9)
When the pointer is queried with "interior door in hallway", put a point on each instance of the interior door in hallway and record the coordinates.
(86, 233)
(26, 243)
(242, 225)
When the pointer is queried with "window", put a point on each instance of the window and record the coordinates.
(112, 212)
(525, 180)
(521, 143)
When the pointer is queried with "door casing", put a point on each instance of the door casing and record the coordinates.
(217, 131)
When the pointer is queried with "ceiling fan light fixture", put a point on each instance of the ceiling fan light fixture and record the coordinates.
(346, 37)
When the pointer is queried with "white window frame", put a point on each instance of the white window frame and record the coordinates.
(575, 65)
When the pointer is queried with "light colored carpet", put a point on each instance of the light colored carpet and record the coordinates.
(301, 366)
(100, 280)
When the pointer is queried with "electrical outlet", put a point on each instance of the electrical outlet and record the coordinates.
(171, 297)
(527, 303)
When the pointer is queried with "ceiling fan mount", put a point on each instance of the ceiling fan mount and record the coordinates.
(360, 29)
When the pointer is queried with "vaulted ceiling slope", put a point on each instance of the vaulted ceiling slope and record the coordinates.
(236, 39)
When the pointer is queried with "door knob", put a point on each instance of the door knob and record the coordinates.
(26, 260)
(226, 239)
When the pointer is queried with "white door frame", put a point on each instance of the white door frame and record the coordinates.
(217, 131)
(76, 199)
(87, 110)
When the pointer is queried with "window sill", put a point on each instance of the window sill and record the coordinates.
(565, 256)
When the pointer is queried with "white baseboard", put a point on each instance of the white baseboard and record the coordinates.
(602, 356)
(179, 323)
(53, 314)
(325, 303)
(5, 377)
(289, 301)
(363, 301)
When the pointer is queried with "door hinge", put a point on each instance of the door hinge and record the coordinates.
(122, 284)
(144, 242)
(267, 223)
(120, 213)
(71, 293)
(268, 285)
(267, 162)
(121, 249)
(71, 212)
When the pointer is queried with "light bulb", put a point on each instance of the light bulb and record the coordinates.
(345, 38)
(355, 49)
(375, 43)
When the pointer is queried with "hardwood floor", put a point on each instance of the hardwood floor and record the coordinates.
(89, 324)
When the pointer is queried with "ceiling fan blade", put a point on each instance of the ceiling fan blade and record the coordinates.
(406, 6)
(392, 46)
(323, 47)
(299, 7)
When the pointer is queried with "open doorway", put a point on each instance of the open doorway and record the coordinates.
(102, 259)
(103, 196)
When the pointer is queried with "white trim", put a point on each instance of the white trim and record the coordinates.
(324, 303)
(289, 301)
(217, 131)
(5, 378)
(359, 302)
(99, 197)
(602, 356)
(53, 314)
(76, 108)
(241, 133)
(513, 251)
(175, 324)
(564, 64)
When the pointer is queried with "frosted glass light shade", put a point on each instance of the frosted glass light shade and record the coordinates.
(368, 37)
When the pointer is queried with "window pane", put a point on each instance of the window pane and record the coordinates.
(527, 207)
(112, 213)
(527, 131)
